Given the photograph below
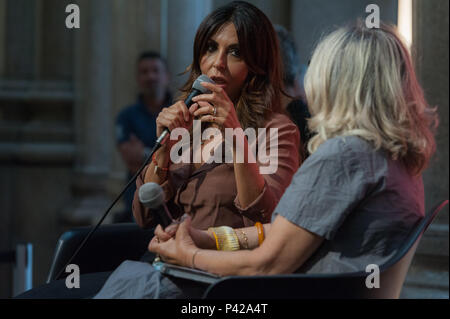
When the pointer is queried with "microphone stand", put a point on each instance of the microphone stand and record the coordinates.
(160, 141)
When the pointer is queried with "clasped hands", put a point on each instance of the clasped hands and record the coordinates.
(177, 242)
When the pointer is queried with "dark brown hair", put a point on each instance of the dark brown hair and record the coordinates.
(259, 48)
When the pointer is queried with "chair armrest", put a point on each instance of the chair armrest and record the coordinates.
(107, 248)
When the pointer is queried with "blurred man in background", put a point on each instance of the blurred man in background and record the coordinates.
(136, 124)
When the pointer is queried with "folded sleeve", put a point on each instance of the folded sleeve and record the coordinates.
(277, 166)
(330, 184)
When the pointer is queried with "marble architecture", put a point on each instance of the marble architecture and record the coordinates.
(60, 90)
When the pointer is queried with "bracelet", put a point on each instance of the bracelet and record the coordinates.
(245, 239)
(215, 238)
(260, 229)
(226, 238)
(193, 258)
(165, 169)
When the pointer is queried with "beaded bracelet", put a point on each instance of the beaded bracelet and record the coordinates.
(245, 244)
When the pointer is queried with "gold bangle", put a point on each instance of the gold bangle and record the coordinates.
(226, 238)
(211, 229)
(260, 229)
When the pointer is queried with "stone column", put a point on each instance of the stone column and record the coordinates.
(2, 36)
(20, 55)
(126, 19)
(151, 18)
(136, 28)
(430, 36)
(112, 35)
(428, 274)
(56, 57)
(183, 21)
(430, 47)
(92, 112)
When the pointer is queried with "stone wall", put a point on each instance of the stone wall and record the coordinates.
(37, 145)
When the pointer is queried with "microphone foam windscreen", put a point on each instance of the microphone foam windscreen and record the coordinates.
(151, 195)
(200, 79)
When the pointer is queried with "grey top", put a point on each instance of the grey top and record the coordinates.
(362, 202)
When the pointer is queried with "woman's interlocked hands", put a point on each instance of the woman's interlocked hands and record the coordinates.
(172, 242)
(174, 249)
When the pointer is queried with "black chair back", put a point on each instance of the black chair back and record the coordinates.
(108, 247)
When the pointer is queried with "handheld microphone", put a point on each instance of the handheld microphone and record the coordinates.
(197, 89)
(151, 195)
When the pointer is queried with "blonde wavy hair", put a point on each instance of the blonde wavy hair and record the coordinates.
(362, 82)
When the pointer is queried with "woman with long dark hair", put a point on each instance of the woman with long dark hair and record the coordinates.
(236, 46)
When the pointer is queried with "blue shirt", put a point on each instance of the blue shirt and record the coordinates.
(138, 120)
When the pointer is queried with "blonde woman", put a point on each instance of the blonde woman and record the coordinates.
(357, 196)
